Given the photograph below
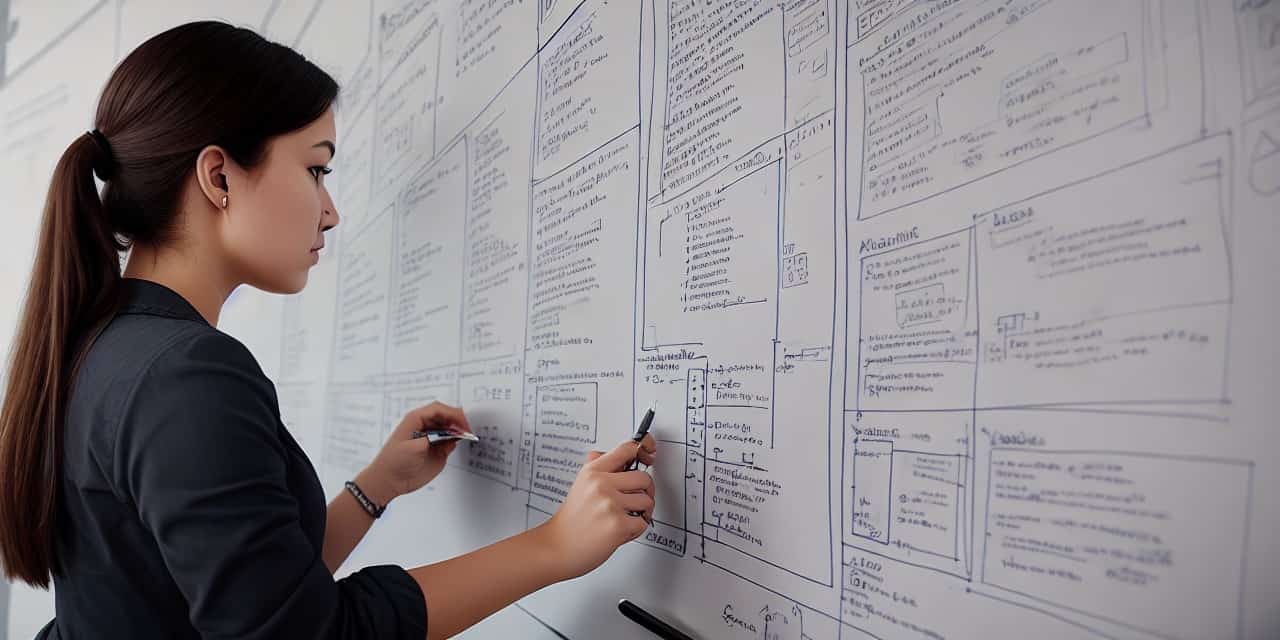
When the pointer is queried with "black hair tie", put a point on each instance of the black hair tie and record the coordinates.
(104, 165)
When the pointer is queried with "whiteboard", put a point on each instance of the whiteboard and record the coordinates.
(957, 316)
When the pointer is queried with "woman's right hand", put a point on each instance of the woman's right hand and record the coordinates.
(595, 519)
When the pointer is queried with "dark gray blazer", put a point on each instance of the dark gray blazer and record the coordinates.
(187, 509)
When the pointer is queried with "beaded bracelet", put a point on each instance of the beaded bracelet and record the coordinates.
(369, 506)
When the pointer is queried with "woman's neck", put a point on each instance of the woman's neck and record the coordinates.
(198, 279)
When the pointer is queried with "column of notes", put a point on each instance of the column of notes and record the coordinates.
(426, 308)
(364, 275)
(739, 233)
(352, 428)
(408, 39)
(596, 46)
(485, 44)
(718, 53)
(579, 316)
(495, 280)
(581, 292)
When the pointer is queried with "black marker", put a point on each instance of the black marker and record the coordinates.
(646, 620)
(640, 433)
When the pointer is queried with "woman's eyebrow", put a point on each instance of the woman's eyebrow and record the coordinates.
(328, 145)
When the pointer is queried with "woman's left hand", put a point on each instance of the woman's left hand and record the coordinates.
(406, 464)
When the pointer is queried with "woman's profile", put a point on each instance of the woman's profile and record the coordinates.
(144, 469)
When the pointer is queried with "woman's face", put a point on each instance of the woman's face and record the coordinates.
(286, 208)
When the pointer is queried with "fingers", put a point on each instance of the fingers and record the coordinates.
(636, 493)
(633, 527)
(649, 444)
(637, 502)
(435, 415)
(424, 446)
(645, 451)
(627, 496)
(646, 457)
(631, 481)
(615, 459)
(648, 450)
(622, 454)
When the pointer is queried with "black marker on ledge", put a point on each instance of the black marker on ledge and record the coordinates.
(648, 621)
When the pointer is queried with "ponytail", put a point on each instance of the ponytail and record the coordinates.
(75, 289)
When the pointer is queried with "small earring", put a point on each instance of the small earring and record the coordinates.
(224, 201)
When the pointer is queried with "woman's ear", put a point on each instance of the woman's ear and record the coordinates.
(212, 166)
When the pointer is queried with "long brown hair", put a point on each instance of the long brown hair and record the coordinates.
(199, 84)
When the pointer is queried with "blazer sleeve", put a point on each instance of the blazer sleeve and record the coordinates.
(200, 456)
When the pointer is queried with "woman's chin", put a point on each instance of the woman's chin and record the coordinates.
(287, 285)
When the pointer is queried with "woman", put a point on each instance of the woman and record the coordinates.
(143, 463)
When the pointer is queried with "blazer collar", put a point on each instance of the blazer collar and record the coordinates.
(151, 298)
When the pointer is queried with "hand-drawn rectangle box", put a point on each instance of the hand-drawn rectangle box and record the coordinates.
(795, 270)
(1148, 541)
(872, 473)
(910, 498)
(917, 341)
(1091, 283)
(1047, 75)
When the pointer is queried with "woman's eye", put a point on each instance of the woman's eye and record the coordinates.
(316, 172)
